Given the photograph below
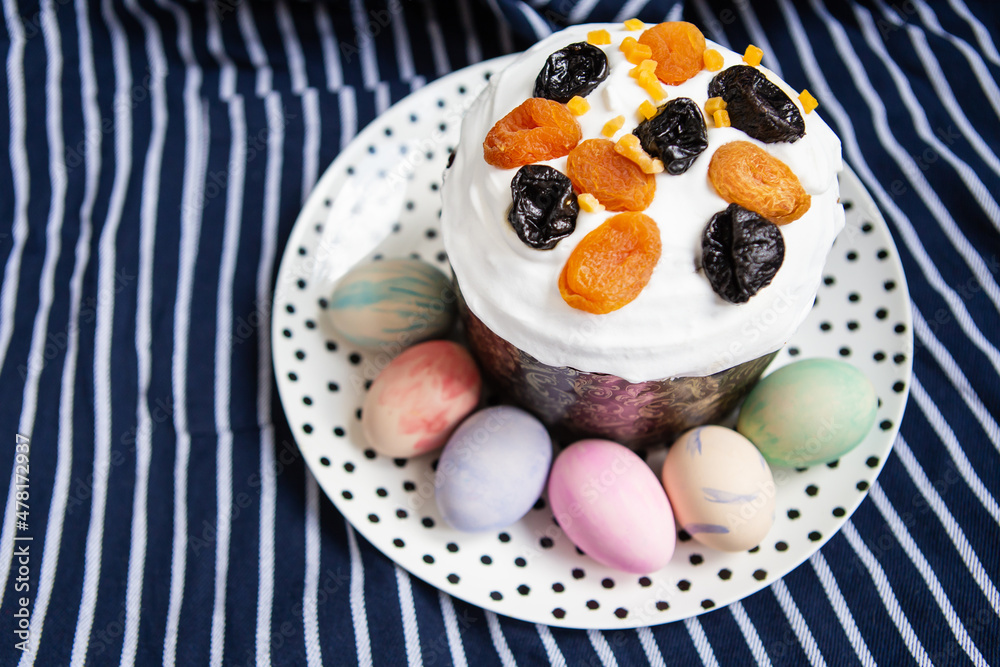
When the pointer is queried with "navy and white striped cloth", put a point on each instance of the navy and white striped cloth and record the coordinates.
(157, 153)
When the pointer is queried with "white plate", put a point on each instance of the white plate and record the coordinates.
(531, 571)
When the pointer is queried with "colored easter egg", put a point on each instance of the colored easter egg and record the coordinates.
(493, 469)
(809, 412)
(392, 302)
(419, 398)
(612, 506)
(720, 487)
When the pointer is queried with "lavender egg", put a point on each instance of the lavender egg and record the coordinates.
(392, 302)
(493, 469)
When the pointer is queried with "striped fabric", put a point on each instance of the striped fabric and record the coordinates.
(157, 154)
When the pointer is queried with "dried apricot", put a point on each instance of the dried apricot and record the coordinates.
(678, 49)
(612, 264)
(618, 183)
(745, 174)
(537, 130)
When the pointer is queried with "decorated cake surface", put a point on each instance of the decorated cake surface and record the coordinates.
(620, 239)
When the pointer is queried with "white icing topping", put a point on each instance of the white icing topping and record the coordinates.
(677, 326)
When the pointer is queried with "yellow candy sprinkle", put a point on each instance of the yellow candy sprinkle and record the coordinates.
(651, 85)
(752, 56)
(714, 104)
(627, 45)
(589, 203)
(639, 53)
(808, 101)
(578, 106)
(647, 110)
(634, 24)
(713, 60)
(599, 37)
(644, 66)
(630, 147)
(721, 118)
(613, 126)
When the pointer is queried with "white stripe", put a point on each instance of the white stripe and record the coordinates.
(451, 630)
(348, 115)
(758, 36)
(441, 64)
(711, 23)
(499, 641)
(404, 50)
(227, 70)
(941, 87)
(603, 649)
(555, 656)
(979, 68)
(255, 49)
(18, 153)
(269, 238)
(947, 436)
(195, 168)
(630, 10)
(701, 643)
(749, 634)
(918, 559)
(53, 248)
(650, 648)
(359, 617)
(223, 367)
(676, 12)
(293, 48)
(365, 45)
(538, 25)
(473, 50)
(103, 334)
(798, 623)
(961, 383)
(909, 235)
(951, 526)
(982, 34)
(408, 614)
(968, 176)
(143, 339)
(839, 605)
(885, 592)
(64, 446)
(905, 162)
(581, 11)
(328, 45)
(310, 583)
(383, 99)
(310, 141)
(506, 40)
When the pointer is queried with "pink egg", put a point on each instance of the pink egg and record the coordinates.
(419, 398)
(611, 505)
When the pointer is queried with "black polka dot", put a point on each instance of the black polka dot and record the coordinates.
(696, 559)
(503, 537)
(347, 495)
(794, 514)
(452, 547)
(881, 313)
(332, 386)
(293, 377)
(357, 414)
(844, 351)
(310, 324)
(801, 469)
(899, 328)
(793, 351)
(683, 535)
(825, 326)
(520, 562)
(684, 585)
(545, 542)
(559, 613)
(539, 504)
(898, 358)
(398, 542)
(430, 233)
(578, 573)
(370, 454)
(409, 486)
(427, 522)
(862, 485)
(815, 536)
(621, 612)
(496, 595)
(812, 489)
(854, 297)
(885, 425)
(889, 285)
(323, 303)
(349, 467)
(323, 461)
(302, 251)
(300, 355)
(442, 256)
(645, 582)
(852, 325)
(662, 605)
(781, 546)
(872, 461)
(760, 575)
(852, 256)
(829, 280)
(354, 358)
(287, 333)
(339, 432)
(879, 356)
(349, 170)
(558, 588)
(839, 512)
(754, 549)
(725, 574)
(381, 493)
(707, 604)
(373, 518)
(866, 228)
(307, 428)
(486, 560)
(399, 463)
(429, 559)
(833, 464)
(523, 589)
(608, 582)
(592, 604)
(401, 513)
(882, 254)
(453, 578)
(306, 400)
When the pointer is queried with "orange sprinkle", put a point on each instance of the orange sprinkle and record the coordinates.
(578, 106)
(651, 85)
(639, 53)
(644, 66)
(589, 203)
(808, 101)
(630, 147)
(599, 37)
(613, 126)
(714, 104)
(721, 118)
(713, 60)
(634, 24)
(752, 56)
(647, 110)
(627, 45)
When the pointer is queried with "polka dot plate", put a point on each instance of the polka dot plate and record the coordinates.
(380, 199)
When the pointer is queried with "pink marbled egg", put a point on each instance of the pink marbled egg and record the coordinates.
(611, 505)
(419, 398)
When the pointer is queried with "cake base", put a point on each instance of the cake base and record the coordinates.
(575, 404)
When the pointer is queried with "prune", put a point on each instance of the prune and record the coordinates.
(757, 106)
(545, 207)
(618, 183)
(535, 131)
(745, 174)
(573, 70)
(678, 48)
(676, 134)
(612, 264)
(740, 252)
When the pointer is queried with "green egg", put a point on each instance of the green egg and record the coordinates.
(809, 412)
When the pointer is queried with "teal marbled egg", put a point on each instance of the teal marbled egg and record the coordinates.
(809, 412)
(392, 303)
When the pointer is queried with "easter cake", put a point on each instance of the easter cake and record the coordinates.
(637, 220)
